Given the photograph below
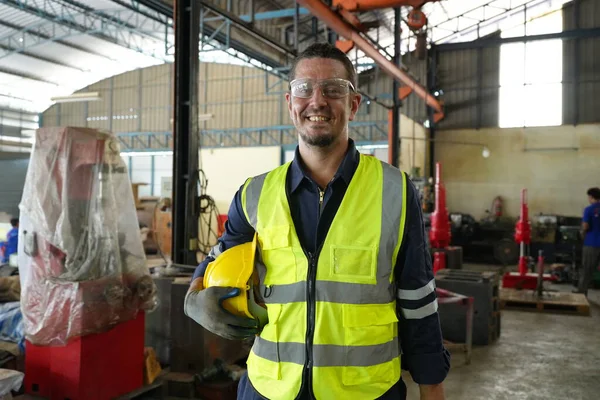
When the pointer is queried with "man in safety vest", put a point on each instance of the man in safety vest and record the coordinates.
(344, 268)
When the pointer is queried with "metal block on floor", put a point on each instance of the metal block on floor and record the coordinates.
(454, 257)
(483, 287)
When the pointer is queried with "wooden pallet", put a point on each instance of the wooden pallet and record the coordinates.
(552, 302)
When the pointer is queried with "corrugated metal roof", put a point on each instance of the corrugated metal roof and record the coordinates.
(63, 47)
(67, 44)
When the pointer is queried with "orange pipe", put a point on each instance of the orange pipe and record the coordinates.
(342, 28)
(364, 5)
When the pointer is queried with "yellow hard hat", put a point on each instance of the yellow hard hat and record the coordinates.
(235, 268)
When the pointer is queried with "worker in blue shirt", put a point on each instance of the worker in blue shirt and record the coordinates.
(321, 103)
(12, 239)
(590, 227)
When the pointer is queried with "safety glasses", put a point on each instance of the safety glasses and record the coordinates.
(334, 88)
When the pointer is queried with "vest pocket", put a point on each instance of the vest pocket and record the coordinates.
(276, 251)
(262, 367)
(386, 372)
(370, 325)
(266, 354)
(354, 263)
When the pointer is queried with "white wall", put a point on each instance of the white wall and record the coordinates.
(556, 164)
(227, 169)
(141, 172)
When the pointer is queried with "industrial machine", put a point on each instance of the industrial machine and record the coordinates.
(85, 283)
(439, 233)
(524, 279)
(486, 240)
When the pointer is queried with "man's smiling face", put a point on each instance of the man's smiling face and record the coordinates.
(319, 120)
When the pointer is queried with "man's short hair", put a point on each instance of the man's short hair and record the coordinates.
(14, 221)
(594, 192)
(325, 50)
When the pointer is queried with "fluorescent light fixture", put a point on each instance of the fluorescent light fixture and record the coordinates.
(145, 153)
(83, 96)
(15, 139)
(14, 149)
(205, 117)
(18, 123)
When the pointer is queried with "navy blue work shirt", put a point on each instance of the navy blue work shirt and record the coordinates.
(423, 353)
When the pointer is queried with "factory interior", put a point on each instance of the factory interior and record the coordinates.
(149, 213)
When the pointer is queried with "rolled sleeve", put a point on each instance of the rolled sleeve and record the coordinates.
(237, 231)
(428, 369)
(423, 352)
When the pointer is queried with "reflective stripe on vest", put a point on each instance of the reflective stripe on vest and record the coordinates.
(355, 350)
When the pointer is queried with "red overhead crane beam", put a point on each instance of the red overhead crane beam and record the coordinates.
(365, 5)
(343, 28)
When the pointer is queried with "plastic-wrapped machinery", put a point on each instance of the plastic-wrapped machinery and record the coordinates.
(82, 263)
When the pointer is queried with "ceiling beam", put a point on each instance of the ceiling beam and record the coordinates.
(24, 75)
(41, 58)
(16, 113)
(106, 17)
(238, 44)
(66, 15)
(586, 33)
(246, 28)
(45, 37)
(134, 5)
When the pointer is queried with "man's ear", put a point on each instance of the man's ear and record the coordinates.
(354, 104)
(288, 98)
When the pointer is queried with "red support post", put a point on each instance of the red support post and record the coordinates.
(523, 232)
(439, 235)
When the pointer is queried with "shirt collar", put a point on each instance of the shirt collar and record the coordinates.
(345, 170)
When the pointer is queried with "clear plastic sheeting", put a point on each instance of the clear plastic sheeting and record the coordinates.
(10, 381)
(81, 260)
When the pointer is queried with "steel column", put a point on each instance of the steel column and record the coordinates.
(394, 140)
(431, 85)
(479, 122)
(252, 16)
(185, 140)
(140, 98)
(296, 17)
(331, 35)
(152, 174)
(110, 103)
(576, 62)
(130, 168)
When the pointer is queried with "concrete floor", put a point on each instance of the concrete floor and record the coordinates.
(539, 356)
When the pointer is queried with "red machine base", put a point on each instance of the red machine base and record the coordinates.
(94, 367)
(515, 280)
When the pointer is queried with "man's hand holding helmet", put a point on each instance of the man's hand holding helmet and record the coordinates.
(205, 306)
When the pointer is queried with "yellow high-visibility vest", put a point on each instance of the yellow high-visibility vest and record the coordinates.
(334, 311)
